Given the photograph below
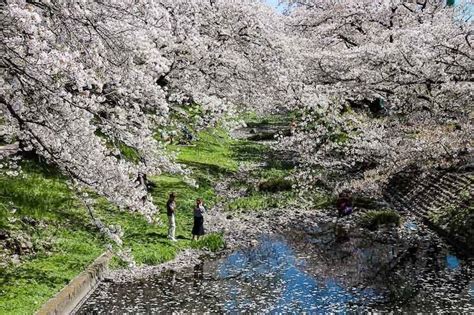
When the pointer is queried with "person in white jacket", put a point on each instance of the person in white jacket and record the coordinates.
(171, 211)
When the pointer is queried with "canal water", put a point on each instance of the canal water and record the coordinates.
(296, 275)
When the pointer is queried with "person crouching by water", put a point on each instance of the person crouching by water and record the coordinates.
(344, 204)
(198, 228)
(171, 211)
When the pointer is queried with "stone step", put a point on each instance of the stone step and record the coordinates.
(467, 178)
(401, 199)
(450, 185)
(446, 193)
(433, 192)
(434, 201)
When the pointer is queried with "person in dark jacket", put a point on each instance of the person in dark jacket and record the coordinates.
(198, 227)
(344, 204)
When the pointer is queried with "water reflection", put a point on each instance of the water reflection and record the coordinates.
(453, 262)
(411, 225)
(276, 276)
(283, 276)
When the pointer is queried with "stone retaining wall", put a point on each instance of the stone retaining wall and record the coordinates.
(442, 198)
(70, 296)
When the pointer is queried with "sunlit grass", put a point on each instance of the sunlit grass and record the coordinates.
(213, 242)
(42, 194)
(73, 242)
(211, 154)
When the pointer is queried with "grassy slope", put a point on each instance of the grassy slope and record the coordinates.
(62, 236)
(273, 172)
(65, 241)
(72, 242)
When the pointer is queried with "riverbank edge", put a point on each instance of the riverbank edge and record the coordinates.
(239, 232)
(66, 300)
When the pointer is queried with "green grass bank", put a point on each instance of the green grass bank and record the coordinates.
(47, 226)
(48, 229)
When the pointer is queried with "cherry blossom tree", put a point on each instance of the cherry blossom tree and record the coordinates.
(380, 85)
(83, 82)
(409, 64)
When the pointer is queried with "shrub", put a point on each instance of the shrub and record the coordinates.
(365, 203)
(152, 254)
(321, 200)
(373, 219)
(275, 185)
(265, 136)
(213, 242)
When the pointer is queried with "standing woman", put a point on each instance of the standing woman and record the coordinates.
(198, 228)
(171, 211)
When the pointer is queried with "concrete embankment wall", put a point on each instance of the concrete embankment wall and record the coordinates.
(70, 296)
(442, 198)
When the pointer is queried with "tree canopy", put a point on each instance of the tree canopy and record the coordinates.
(378, 85)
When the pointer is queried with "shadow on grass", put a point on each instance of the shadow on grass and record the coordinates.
(36, 165)
(30, 274)
(252, 151)
(249, 151)
(180, 237)
(150, 237)
(276, 162)
(210, 169)
(41, 195)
